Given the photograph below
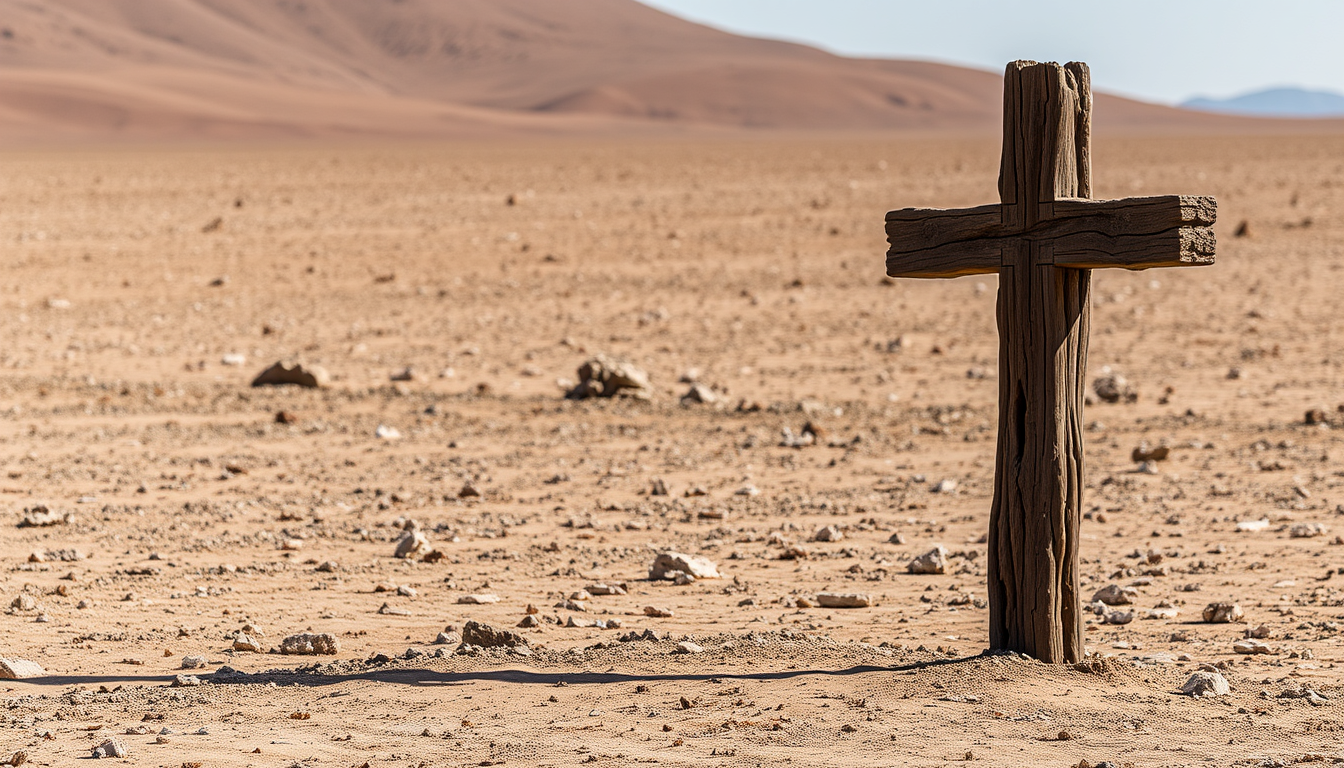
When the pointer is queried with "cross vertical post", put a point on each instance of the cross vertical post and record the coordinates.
(1044, 239)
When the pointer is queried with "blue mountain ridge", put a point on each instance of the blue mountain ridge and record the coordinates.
(1275, 102)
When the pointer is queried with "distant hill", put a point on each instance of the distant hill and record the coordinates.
(1275, 102)
(191, 70)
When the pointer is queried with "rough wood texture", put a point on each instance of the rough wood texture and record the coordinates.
(1134, 233)
(1043, 239)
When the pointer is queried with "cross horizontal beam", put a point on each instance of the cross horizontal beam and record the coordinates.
(1133, 233)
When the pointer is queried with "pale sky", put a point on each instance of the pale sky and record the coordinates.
(1157, 50)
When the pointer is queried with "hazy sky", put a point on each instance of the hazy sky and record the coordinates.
(1158, 50)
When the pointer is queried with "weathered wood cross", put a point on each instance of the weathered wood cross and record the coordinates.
(1043, 240)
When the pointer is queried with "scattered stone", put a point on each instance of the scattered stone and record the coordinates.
(1250, 647)
(469, 491)
(1222, 613)
(686, 646)
(1114, 594)
(605, 589)
(244, 643)
(1243, 229)
(447, 638)
(40, 516)
(1308, 530)
(896, 538)
(658, 613)
(529, 621)
(1119, 617)
(931, 562)
(329, 566)
(384, 432)
(1113, 388)
(658, 488)
(286, 417)
(1145, 453)
(828, 533)
(669, 564)
(1252, 526)
(486, 636)
(185, 681)
(24, 602)
(279, 374)
(605, 376)
(699, 394)
(18, 669)
(1206, 684)
(387, 609)
(413, 544)
(193, 662)
(1315, 416)
(110, 748)
(478, 599)
(844, 600)
(944, 486)
(747, 490)
(308, 644)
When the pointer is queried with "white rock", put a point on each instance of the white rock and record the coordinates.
(933, 561)
(233, 359)
(668, 564)
(1308, 530)
(1114, 594)
(17, 669)
(478, 599)
(307, 644)
(828, 533)
(384, 432)
(686, 646)
(1119, 617)
(1222, 613)
(110, 748)
(244, 643)
(844, 600)
(1206, 684)
(1253, 526)
(193, 662)
(413, 544)
(1250, 647)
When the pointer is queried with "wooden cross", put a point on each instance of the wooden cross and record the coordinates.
(1043, 240)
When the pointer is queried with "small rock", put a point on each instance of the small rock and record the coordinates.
(1145, 453)
(311, 377)
(18, 669)
(933, 561)
(1206, 684)
(605, 589)
(747, 490)
(1114, 594)
(1222, 613)
(658, 613)
(387, 609)
(406, 591)
(469, 491)
(286, 417)
(1259, 633)
(529, 621)
(447, 638)
(686, 646)
(944, 486)
(1113, 388)
(604, 376)
(244, 643)
(308, 644)
(24, 602)
(110, 748)
(1252, 526)
(193, 662)
(668, 564)
(384, 432)
(1119, 617)
(1307, 530)
(699, 394)
(41, 516)
(486, 636)
(1250, 646)
(896, 538)
(413, 544)
(844, 600)
(185, 681)
(828, 533)
(478, 599)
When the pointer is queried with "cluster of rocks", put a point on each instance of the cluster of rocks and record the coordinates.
(604, 376)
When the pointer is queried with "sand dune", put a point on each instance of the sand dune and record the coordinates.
(258, 69)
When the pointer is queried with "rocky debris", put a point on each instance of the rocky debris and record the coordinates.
(605, 376)
(1114, 594)
(387, 609)
(844, 600)
(23, 602)
(788, 439)
(310, 644)
(447, 637)
(413, 544)
(469, 491)
(1145, 453)
(658, 613)
(1252, 526)
(486, 636)
(1312, 697)
(18, 669)
(478, 599)
(933, 561)
(896, 538)
(1119, 617)
(828, 533)
(699, 394)
(1315, 416)
(286, 417)
(244, 643)
(686, 646)
(605, 589)
(110, 748)
(18, 758)
(668, 565)
(384, 432)
(1243, 229)
(41, 516)
(944, 486)
(1113, 388)
(1259, 633)
(193, 662)
(1222, 613)
(1250, 647)
(1206, 684)
(748, 490)
(185, 681)
(530, 621)
(1307, 530)
(279, 374)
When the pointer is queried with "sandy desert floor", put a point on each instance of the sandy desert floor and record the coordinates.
(144, 290)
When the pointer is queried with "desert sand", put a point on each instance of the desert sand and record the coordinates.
(145, 289)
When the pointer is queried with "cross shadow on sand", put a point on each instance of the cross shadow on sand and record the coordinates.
(520, 676)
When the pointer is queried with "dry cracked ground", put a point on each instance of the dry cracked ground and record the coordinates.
(852, 431)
